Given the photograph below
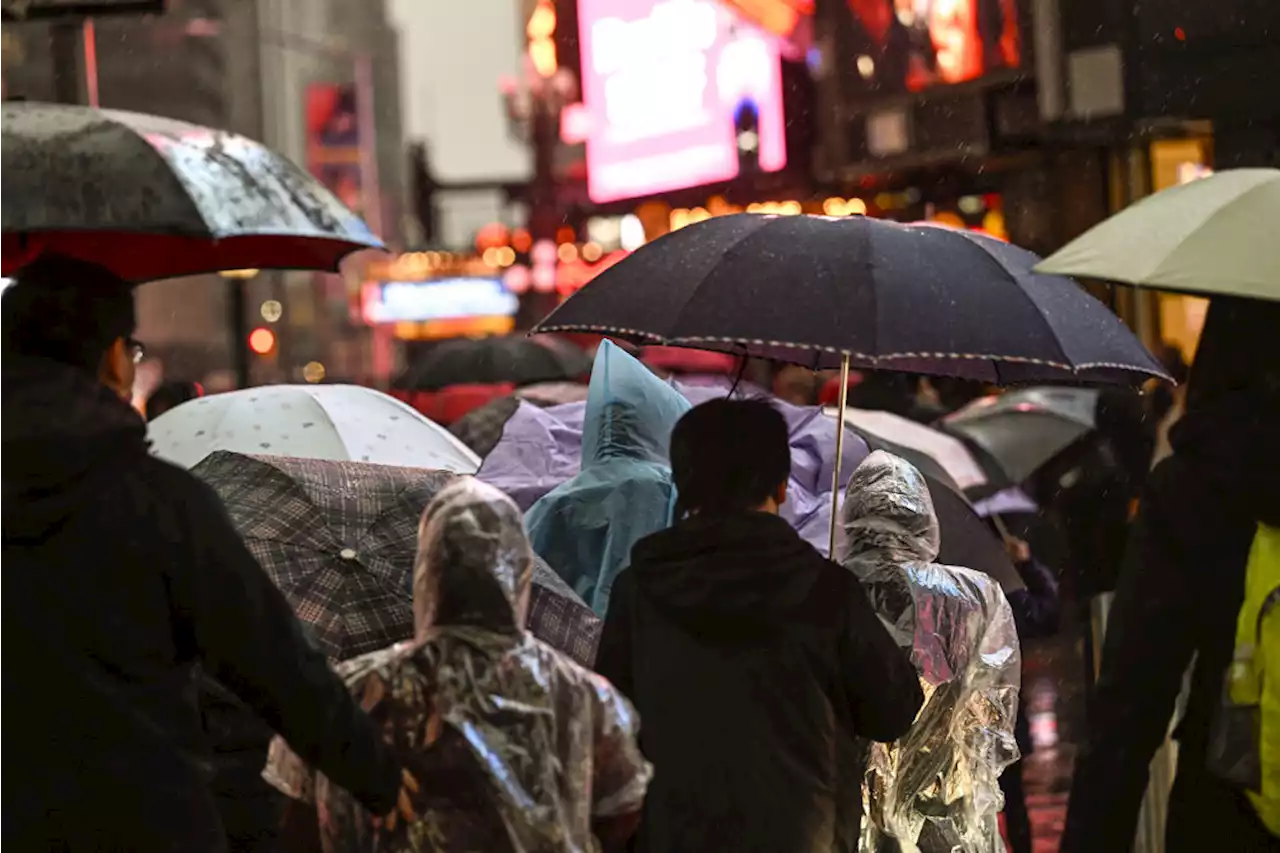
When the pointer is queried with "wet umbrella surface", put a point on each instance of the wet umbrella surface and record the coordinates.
(150, 197)
(339, 539)
(807, 289)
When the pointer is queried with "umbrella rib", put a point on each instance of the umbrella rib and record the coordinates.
(324, 413)
(990, 260)
(694, 290)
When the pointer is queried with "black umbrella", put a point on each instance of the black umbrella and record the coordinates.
(811, 289)
(852, 291)
(150, 197)
(487, 361)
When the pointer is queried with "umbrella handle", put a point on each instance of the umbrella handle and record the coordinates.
(835, 477)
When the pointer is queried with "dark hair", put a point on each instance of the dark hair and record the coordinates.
(170, 395)
(728, 456)
(67, 310)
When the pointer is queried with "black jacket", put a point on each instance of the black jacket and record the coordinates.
(122, 575)
(756, 665)
(1179, 596)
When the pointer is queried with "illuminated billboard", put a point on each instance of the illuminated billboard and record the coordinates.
(442, 299)
(678, 94)
(912, 45)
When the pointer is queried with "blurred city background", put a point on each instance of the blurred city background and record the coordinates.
(509, 150)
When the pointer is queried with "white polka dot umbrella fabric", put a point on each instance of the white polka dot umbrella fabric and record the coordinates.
(335, 422)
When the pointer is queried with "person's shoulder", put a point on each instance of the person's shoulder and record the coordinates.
(568, 672)
(171, 480)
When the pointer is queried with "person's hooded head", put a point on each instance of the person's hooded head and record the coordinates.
(887, 516)
(474, 565)
(74, 314)
(585, 528)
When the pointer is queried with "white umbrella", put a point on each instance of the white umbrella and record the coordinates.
(948, 451)
(335, 422)
(1213, 236)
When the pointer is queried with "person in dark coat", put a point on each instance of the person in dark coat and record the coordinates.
(125, 579)
(1179, 596)
(1037, 611)
(757, 665)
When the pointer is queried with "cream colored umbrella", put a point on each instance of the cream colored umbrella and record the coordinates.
(1213, 236)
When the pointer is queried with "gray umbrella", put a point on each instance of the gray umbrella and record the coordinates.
(1022, 430)
(150, 197)
(339, 539)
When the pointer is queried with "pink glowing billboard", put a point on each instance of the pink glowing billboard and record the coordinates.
(678, 93)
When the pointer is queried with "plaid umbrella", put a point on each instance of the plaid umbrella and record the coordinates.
(561, 619)
(339, 539)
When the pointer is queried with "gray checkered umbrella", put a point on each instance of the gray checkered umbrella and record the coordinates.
(339, 538)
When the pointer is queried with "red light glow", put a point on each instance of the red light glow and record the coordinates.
(262, 341)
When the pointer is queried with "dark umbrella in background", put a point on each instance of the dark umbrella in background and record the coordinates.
(339, 539)
(1021, 431)
(515, 360)
(150, 197)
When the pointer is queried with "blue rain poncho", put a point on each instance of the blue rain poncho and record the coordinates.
(585, 528)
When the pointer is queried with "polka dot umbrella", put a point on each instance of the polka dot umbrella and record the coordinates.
(333, 422)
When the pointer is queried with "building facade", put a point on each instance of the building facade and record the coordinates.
(247, 67)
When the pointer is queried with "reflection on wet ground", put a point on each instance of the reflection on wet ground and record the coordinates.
(1053, 679)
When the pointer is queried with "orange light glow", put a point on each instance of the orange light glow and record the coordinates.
(521, 240)
(542, 53)
(542, 23)
(262, 341)
(541, 30)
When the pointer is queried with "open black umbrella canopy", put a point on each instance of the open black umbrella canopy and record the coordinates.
(487, 361)
(150, 197)
(809, 289)
(339, 540)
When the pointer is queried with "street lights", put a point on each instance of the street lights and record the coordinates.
(534, 106)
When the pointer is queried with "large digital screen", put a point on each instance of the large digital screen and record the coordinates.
(912, 45)
(678, 94)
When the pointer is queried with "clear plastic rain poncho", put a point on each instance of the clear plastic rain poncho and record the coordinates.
(585, 528)
(514, 747)
(937, 788)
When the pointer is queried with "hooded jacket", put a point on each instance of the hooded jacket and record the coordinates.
(585, 528)
(756, 665)
(123, 574)
(1179, 596)
(934, 790)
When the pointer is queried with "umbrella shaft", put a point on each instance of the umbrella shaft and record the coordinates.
(835, 477)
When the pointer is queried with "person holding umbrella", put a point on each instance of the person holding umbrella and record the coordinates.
(756, 664)
(124, 576)
(1179, 597)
